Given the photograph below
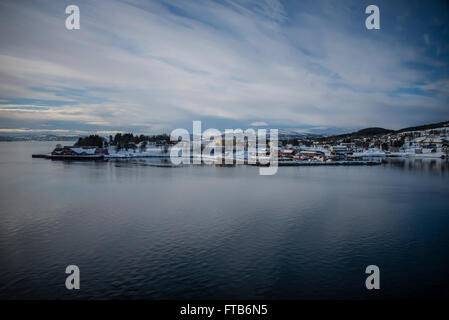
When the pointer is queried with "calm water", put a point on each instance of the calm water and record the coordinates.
(142, 231)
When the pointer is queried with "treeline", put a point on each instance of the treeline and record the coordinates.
(90, 141)
(425, 127)
(121, 140)
(347, 137)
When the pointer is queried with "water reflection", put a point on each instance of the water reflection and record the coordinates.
(435, 166)
(143, 162)
(432, 166)
(139, 229)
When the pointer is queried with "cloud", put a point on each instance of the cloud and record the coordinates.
(259, 124)
(25, 130)
(149, 66)
(426, 38)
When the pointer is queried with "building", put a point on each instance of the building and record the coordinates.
(286, 153)
(85, 151)
(312, 154)
(340, 150)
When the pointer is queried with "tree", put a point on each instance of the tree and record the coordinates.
(122, 140)
(143, 146)
(90, 141)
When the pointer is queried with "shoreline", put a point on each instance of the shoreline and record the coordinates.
(292, 163)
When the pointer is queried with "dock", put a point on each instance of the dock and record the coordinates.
(328, 163)
(69, 157)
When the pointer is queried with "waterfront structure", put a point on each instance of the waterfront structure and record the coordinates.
(79, 152)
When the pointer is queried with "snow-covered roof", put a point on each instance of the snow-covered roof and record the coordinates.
(81, 150)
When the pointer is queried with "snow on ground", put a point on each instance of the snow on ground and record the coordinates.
(136, 153)
(406, 153)
(81, 150)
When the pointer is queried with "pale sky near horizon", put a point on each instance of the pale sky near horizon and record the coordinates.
(152, 66)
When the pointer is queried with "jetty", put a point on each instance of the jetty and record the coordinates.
(69, 157)
(329, 163)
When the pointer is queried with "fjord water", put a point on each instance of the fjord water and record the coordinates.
(138, 230)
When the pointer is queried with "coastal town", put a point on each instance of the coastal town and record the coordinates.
(429, 141)
(365, 147)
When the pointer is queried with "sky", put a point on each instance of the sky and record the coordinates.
(153, 66)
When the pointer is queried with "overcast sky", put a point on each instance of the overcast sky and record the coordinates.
(152, 66)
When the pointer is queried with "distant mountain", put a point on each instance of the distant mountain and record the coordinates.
(377, 131)
(425, 127)
(284, 133)
(372, 132)
(292, 133)
(367, 132)
(37, 137)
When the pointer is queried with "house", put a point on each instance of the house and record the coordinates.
(84, 151)
(288, 153)
(222, 141)
(130, 145)
(340, 150)
(312, 154)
